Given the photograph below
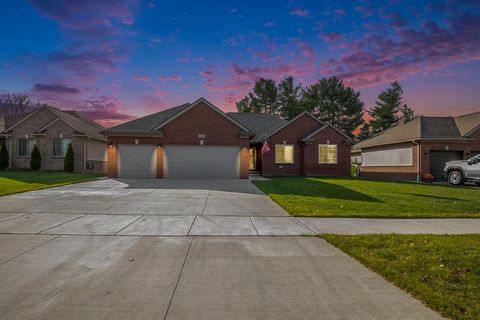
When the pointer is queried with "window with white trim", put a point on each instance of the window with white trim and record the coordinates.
(284, 153)
(327, 153)
(60, 147)
(25, 147)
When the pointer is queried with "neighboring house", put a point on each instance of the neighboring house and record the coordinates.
(52, 130)
(408, 150)
(198, 140)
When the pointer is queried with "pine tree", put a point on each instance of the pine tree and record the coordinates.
(35, 159)
(289, 98)
(3, 156)
(69, 163)
(365, 132)
(331, 101)
(243, 105)
(389, 108)
(264, 97)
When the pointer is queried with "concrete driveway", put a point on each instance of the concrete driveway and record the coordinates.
(94, 251)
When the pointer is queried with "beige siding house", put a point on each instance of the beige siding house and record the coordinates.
(410, 149)
(52, 130)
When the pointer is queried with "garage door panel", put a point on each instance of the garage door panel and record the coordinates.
(201, 162)
(137, 161)
(438, 160)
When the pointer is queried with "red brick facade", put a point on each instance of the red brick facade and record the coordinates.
(201, 119)
(467, 148)
(327, 136)
(306, 154)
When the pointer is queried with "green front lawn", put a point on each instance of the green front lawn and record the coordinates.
(351, 197)
(14, 181)
(443, 271)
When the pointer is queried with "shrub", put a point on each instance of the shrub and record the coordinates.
(35, 159)
(3, 156)
(69, 162)
(427, 177)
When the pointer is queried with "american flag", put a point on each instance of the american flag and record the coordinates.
(266, 147)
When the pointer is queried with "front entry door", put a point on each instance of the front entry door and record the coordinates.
(252, 152)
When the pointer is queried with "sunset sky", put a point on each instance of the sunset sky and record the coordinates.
(115, 60)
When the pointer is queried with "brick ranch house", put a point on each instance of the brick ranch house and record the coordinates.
(408, 150)
(198, 140)
(52, 130)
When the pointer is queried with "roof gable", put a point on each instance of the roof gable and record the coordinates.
(207, 103)
(77, 123)
(292, 121)
(327, 125)
(468, 123)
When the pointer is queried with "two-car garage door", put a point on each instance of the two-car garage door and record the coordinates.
(179, 161)
(201, 162)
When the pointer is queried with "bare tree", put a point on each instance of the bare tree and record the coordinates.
(16, 103)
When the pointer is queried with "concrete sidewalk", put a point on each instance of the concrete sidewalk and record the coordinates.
(132, 277)
(149, 225)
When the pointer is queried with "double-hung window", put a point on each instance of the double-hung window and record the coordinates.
(25, 147)
(327, 153)
(283, 153)
(60, 147)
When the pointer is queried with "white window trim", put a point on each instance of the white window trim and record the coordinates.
(336, 151)
(29, 154)
(64, 153)
(293, 153)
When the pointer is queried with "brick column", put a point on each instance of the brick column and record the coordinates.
(112, 161)
(244, 162)
(159, 162)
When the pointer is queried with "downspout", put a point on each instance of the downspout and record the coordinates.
(419, 161)
(85, 155)
(10, 154)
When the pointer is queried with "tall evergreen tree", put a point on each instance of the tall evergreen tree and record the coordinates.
(365, 132)
(389, 108)
(3, 156)
(69, 161)
(244, 105)
(289, 98)
(264, 97)
(35, 159)
(331, 101)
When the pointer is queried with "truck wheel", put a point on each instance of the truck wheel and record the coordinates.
(455, 178)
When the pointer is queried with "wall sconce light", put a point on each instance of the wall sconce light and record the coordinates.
(201, 142)
(111, 144)
(136, 141)
(244, 148)
(26, 136)
(328, 141)
(159, 145)
(61, 135)
(426, 154)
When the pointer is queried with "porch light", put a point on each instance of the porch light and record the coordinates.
(136, 141)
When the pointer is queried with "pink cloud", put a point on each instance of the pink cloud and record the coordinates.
(331, 36)
(142, 78)
(380, 58)
(300, 12)
(159, 92)
(171, 78)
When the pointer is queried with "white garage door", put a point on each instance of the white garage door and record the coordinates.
(137, 161)
(201, 162)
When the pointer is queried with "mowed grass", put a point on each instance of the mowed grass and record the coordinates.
(443, 271)
(350, 197)
(14, 181)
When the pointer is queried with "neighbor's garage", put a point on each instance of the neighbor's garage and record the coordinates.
(137, 161)
(437, 162)
(201, 162)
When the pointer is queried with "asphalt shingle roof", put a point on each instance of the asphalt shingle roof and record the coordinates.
(258, 123)
(80, 124)
(422, 127)
(147, 123)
